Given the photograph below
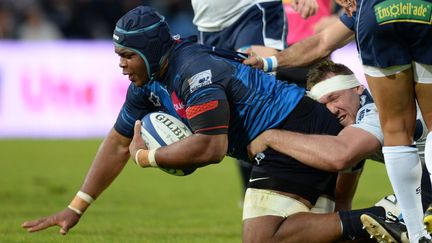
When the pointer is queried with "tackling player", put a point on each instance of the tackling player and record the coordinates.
(336, 86)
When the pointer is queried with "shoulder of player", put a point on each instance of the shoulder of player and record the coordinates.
(368, 110)
(197, 73)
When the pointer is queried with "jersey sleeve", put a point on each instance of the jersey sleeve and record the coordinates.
(135, 107)
(368, 120)
(349, 22)
(207, 108)
(208, 111)
(203, 87)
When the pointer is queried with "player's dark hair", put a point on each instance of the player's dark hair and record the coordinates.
(324, 70)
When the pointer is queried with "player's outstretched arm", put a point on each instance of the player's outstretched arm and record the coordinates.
(307, 51)
(110, 159)
(316, 47)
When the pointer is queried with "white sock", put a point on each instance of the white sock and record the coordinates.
(428, 154)
(404, 171)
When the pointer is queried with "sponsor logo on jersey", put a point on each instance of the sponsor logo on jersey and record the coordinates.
(366, 105)
(154, 99)
(361, 114)
(178, 105)
(259, 179)
(199, 80)
(258, 157)
(416, 11)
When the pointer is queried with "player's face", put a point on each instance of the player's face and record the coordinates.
(344, 104)
(132, 65)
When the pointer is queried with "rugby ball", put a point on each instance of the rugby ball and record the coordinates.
(161, 129)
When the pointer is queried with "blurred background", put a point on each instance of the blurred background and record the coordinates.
(59, 76)
(81, 19)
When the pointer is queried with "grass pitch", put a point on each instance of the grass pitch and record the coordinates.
(40, 177)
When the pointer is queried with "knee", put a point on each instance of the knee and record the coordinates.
(398, 132)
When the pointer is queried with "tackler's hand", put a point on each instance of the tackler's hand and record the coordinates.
(254, 61)
(257, 145)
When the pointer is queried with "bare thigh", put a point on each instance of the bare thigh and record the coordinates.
(395, 99)
(424, 99)
(300, 227)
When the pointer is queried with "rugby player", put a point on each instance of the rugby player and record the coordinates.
(226, 104)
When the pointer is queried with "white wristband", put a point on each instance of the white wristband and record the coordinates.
(84, 196)
(152, 158)
(76, 210)
(137, 156)
(270, 64)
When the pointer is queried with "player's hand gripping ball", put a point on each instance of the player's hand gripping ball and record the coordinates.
(161, 129)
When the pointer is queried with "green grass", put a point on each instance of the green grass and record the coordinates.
(40, 177)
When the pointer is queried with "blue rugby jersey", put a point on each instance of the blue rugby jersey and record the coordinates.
(197, 75)
(141, 101)
(392, 32)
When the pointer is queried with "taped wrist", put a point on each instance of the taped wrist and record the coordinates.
(270, 64)
(80, 202)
